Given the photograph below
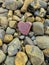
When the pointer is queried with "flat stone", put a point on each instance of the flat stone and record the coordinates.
(9, 60)
(42, 42)
(2, 56)
(21, 58)
(2, 33)
(10, 30)
(38, 28)
(24, 28)
(8, 38)
(35, 54)
(14, 45)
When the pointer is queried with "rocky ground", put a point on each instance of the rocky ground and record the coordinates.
(24, 32)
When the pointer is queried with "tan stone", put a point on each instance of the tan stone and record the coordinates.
(8, 38)
(16, 18)
(12, 24)
(46, 52)
(1, 42)
(30, 19)
(39, 19)
(10, 13)
(26, 3)
(18, 13)
(21, 58)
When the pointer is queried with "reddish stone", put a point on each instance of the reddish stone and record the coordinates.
(24, 27)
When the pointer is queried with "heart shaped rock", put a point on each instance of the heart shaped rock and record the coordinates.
(24, 27)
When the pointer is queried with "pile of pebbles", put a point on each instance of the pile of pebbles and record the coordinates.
(24, 32)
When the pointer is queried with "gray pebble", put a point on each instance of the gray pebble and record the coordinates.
(33, 38)
(10, 30)
(42, 41)
(43, 4)
(28, 41)
(2, 56)
(31, 34)
(46, 22)
(5, 48)
(38, 28)
(2, 10)
(9, 60)
(2, 33)
(22, 37)
(14, 46)
(28, 63)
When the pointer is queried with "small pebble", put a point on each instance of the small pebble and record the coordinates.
(2, 33)
(12, 24)
(22, 37)
(10, 30)
(28, 41)
(8, 38)
(31, 34)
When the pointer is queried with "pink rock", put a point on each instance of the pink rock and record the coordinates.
(24, 27)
